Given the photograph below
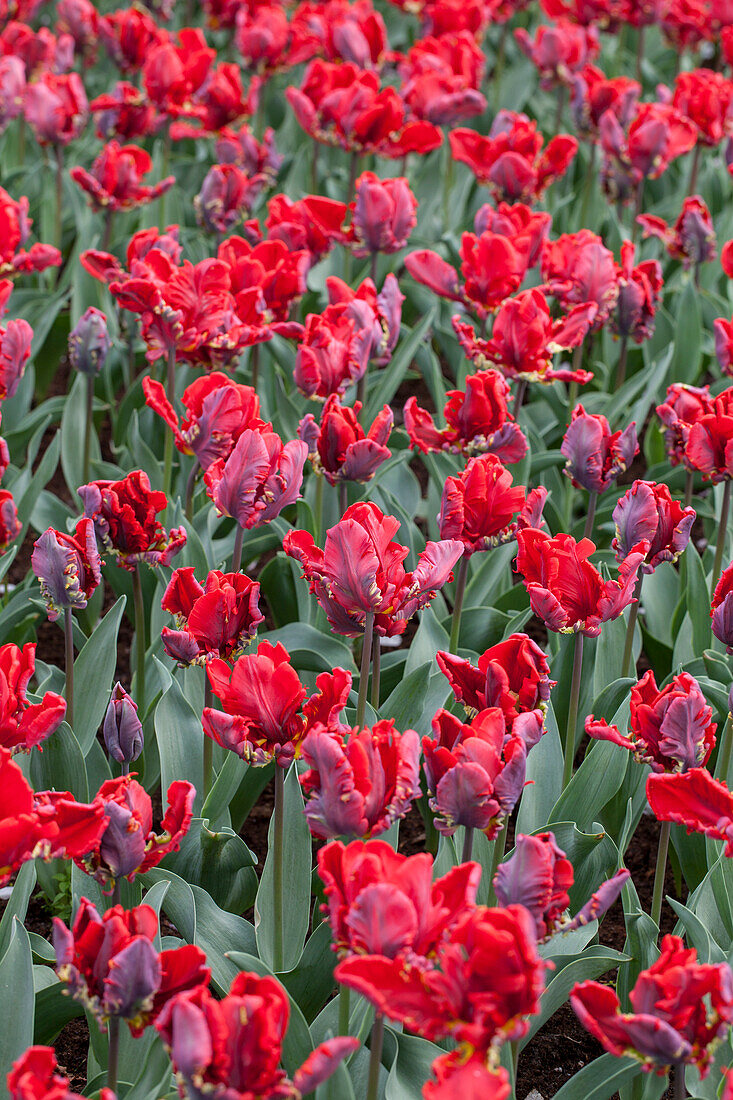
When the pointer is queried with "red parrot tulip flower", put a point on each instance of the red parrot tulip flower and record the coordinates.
(218, 619)
(56, 108)
(173, 72)
(526, 228)
(128, 846)
(259, 478)
(313, 224)
(455, 1075)
(721, 609)
(34, 1077)
(477, 421)
(565, 590)
(381, 312)
(595, 455)
(683, 406)
(482, 507)
(10, 525)
(384, 215)
(693, 799)
(360, 783)
(268, 42)
(339, 448)
(360, 571)
(511, 160)
(124, 520)
(15, 227)
(125, 113)
(512, 675)
(442, 76)
(67, 566)
(705, 98)
(679, 1009)
(578, 270)
(672, 729)
(691, 240)
(334, 354)
(639, 290)
(23, 724)
(109, 962)
(128, 36)
(232, 1048)
(656, 135)
(115, 181)
(709, 445)
(475, 773)
(15, 348)
(364, 882)
(559, 50)
(265, 713)
(593, 93)
(538, 876)
(226, 197)
(648, 512)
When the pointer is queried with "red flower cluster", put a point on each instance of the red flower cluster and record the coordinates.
(512, 675)
(124, 519)
(23, 724)
(691, 239)
(15, 228)
(218, 619)
(34, 1077)
(339, 448)
(483, 509)
(115, 181)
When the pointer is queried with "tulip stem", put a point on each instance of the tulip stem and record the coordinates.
(208, 743)
(573, 710)
(237, 554)
(519, 397)
(277, 868)
(689, 485)
(660, 871)
(107, 235)
(88, 428)
(69, 657)
(376, 671)
(498, 70)
(113, 1052)
(724, 753)
(590, 176)
(496, 858)
(622, 357)
(373, 267)
(191, 489)
(694, 170)
(722, 533)
(375, 1057)
(318, 518)
(559, 108)
(366, 656)
(344, 1010)
(447, 185)
(631, 628)
(58, 227)
(170, 389)
(455, 629)
(467, 844)
(680, 1089)
(640, 53)
(343, 498)
(137, 592)
(255, 361)
(592, 502)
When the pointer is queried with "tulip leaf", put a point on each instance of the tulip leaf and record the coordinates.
(309, 649)
(594, 784)
(17, 904)
(61, 765)
(600, 1080)
(73, 427)
(296, 882)
(180, 739)
(311, 982)
(226, 785)
(94, 670)
(155, 1074)
(53, 1010)
(685, 362)
(411, 1067)
(219, 862)
(16, 990)
(388, 381)
(593, 962)
(544, 776)
(415, 700)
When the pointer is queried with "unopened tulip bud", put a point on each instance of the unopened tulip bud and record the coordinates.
(89, 342)
(123, 731)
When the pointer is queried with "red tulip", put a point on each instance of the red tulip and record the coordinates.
(218, 411)
(23, 724)
(231, 1048)
(512, 675)
(384, 214)
(15, 227)
(269, 43)
(67, 566)
(128, 846)
(242, 148)
(724, 344)
(219, 619)
(593, 93)
(442, 76)
(360, 782)
(10, 525)
(269, 269)
(647, 511)
(578, 270)
(639, 290)
(565, 590)
(709, 445)
(692, 238)
(381, 312)
(125, 113)
(124, 520)
(360, 571)
(313, 224)
(680, 1008)
(34, 1077)
(672, 729)
(483, 509)
(559, 50)
(595, 455)
(226, 197)
(56, 108)
(683, 406)
(477, 421)
(471, 1078)
(721, 609)
(40, 51)
(656, 135)
(706, 98)
(129, 35)
(696, 800)
(12, 90)
(259, 478)
(218, 102)
(487, 981)
(172, 73)
(510, 160)
(339, 448)
(334, 354)
(525, 227)
(265, 713)
(348, 32)
(110, 964)
(115, 181)
(538, 876)
(379, 902)
(475, 773)
(15, 347)
(525, 339)
(80, 19)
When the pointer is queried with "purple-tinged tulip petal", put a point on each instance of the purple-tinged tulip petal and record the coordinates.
(122, 729)
(133, 978)
(89, 342)
(383, 920)
(337, 809)
(180, 646)
(683, 727)
(362, 459)
(322, 1063)
(351, 560)
(463, 797)
(600, 902)
(122, 846)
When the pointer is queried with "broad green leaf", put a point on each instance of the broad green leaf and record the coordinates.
(593, 962)
(544, 775)
(180, 738)
(593, 785)
(17, 903)
(411, 1068)
(219, 862)
(415, 700)
(600, 1080)
(388, 380)
(16, 993)
(94, 669)
(61, 765)
(73, 426)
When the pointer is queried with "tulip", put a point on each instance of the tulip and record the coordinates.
(538, 876)
(361, 783)
(115, 180)
(641, 148)
(595, 455)
(125, 113)
(15, 350)
(339, 448)
(173, 71)
(23, 724)
(457, 1076)
(122, 729)
(218, 102)
(683, 406)
(273, 270)
(593, 93)
(313, 224)
(129, 35)
(691, 239)
(381, 312)
(80, 19)
(226, 197)
(559, 50)
(34, 1077)
(10, 525)
(334, 354)
(242, 148)
(384, 215)
(579, 269)
(56, 108)
(647, 511)
(526, 227)
(268, 43)
(666, 1026)
(12, 89)
(721, 609)
(124, 520)
(89, 342)
(15, 226)
(705, 98)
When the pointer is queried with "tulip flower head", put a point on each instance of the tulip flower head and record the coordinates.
(691, 240)
(643, 148)
(360, 571)
(15, 228)
(125, 524)
(578, 269)
(115, 180)
(709, 443)
(721, 609)
(647, 512)
(559, 50)
(595, 455)
(334, 353)
(68, 567)
(226, 197)
(122, 729)
(216, 619)
(359, 783)
(683, 406)
(89, 342)
(109, 963)
(639, 290)
(56, 108)
(384, 214)
(670, 1023)
(693, 799)
(705, 98)
(24, 725)
(260, 477)
(34, 1077)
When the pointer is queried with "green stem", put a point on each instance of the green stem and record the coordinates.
(109, 216)
(639, 53)
(724, 752)
(366, 656)
(622, 358)
(373, 267)
(631, 628)
(208, 743)
(689, 485)
(375, 1057)
(255, 361)
(376, 671)
(163, 174)
(277, 867)
(343, 497)
(170, 389)
(467, 845)
(447, 185)
(191, 488)
(88, 428)
(344, 1010)
(58, 224)
(137, 592)
(519, 397)
(693, 171)
(237, 554)
(69, 656)
(560, 107)
(319, 507)
(722, 533)
(592, 502)
(590, 176)
(455, 629)
(660, 871)
(496, 858)
(514, 1048)
(573, 710)
(113, 1052)
(680, 1089)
